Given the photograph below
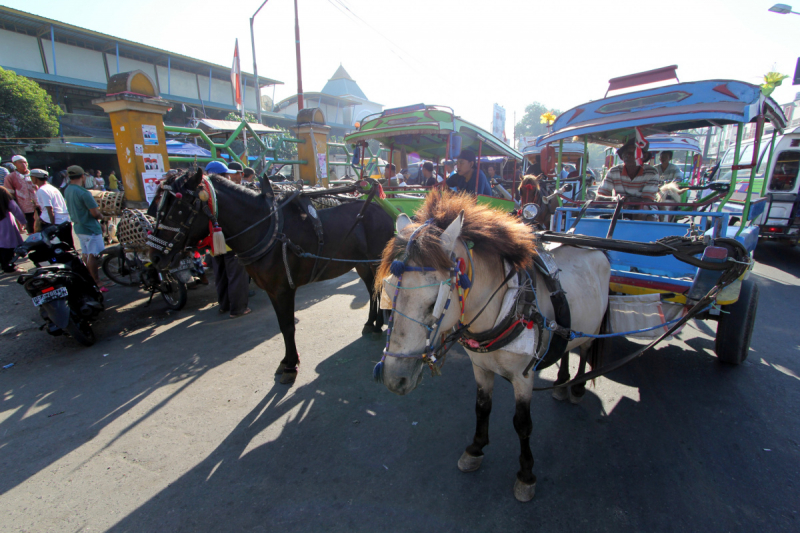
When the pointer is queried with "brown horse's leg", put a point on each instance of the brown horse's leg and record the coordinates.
(561, 394)
(525, 486)
(374, 322)
(473, 456)
(283, 303)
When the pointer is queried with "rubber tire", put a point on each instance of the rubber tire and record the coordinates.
(735, 326)
(112, 272)
(81, 332)
(176, 304)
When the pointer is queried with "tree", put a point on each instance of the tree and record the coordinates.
(28, 115)
(531, 124)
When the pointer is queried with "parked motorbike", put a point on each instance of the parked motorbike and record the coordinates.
(62, 289)
(131, 268)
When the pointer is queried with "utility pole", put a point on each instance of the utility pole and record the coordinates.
(255, 67)
(299, 70)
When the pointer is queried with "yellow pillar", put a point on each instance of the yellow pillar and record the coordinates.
(312, 120)
(136, 113)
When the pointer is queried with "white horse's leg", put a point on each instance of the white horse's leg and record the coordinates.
(576, 392)
(525, 485)
(472, 458)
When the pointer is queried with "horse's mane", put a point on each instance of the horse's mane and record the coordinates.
(492, 232)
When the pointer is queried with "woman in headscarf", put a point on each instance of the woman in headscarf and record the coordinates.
(11, 221)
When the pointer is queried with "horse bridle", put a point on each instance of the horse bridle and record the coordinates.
(196, 205)
(458, 278)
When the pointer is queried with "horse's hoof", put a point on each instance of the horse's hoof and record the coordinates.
(469, 463)
(574, 398)
(281, 368)
(560, 394)
(288, 377)
(524, 492)
(367, 329)
(378, 330)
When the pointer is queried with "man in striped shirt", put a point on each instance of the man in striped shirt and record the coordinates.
(630, 180)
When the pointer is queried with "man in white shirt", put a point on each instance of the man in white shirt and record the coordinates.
(54, 208)
(668, 172)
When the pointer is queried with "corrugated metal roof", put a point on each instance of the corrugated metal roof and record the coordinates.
(21, 22)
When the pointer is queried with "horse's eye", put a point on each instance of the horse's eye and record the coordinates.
(180, 212)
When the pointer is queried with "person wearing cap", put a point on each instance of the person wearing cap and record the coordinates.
(465, 177)
(630, 179)
(230, 277)
(429, 177)
(238, 172)
(22, 189)
(86, 217)
(53, 206)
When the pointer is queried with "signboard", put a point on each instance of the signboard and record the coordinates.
(153, 173)
(499, 123)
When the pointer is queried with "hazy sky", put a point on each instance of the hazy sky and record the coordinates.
(462, 53)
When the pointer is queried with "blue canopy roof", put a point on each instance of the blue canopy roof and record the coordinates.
(676, 107)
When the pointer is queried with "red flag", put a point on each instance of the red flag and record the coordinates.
(236, 78)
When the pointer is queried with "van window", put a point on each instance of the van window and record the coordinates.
(784, 175)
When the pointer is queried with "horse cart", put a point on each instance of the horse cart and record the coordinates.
(432, 133)
(652, 287)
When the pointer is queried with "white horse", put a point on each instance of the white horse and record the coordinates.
(495, 238)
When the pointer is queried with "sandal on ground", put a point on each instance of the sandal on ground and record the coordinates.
(245, 312)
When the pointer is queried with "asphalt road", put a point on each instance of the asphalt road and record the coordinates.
(174, 422)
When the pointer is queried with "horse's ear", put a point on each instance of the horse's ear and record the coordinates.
(402, 222)
(194, 181)
(451, 234)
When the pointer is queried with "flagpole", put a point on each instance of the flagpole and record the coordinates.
(299, 70)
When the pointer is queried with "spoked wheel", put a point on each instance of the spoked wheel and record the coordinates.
(118, 269)
(175, 296)
(81, 332)
(735, 326)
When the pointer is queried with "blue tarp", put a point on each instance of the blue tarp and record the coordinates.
(173, 148)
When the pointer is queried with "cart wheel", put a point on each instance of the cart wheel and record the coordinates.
(735, 326)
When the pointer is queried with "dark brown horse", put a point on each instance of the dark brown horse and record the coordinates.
(184, 218)
(533, 191)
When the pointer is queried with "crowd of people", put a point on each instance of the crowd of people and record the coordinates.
(31, 200)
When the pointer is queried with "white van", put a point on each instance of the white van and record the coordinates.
(780, 219)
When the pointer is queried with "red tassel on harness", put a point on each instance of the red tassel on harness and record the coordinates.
(640, 146)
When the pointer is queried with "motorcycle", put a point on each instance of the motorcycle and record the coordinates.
(128, 267)
(63, 290)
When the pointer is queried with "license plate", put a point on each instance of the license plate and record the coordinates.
(184, 265)
(55, 294)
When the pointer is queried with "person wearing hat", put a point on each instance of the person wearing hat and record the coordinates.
(238, 172)
(53, 205)
(465, 177)
(86, 217)
(22, 189)
(631, 179)
(230, 277)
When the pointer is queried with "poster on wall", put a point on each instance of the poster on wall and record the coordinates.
(153, 163)
(138, 149)
(150, 181)
(322, 161)
(150, 135)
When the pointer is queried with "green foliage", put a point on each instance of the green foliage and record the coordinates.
(28, 115)
(531, 124)
(772, 80)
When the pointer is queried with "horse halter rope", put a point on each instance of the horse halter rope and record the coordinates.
(457, 278)
(204, 200)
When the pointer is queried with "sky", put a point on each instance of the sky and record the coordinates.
(465, 54)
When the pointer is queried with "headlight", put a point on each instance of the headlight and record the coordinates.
(530, 211)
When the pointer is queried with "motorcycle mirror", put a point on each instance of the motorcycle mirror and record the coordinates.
(529, 211)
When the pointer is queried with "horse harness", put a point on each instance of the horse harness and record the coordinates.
(525, 312)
